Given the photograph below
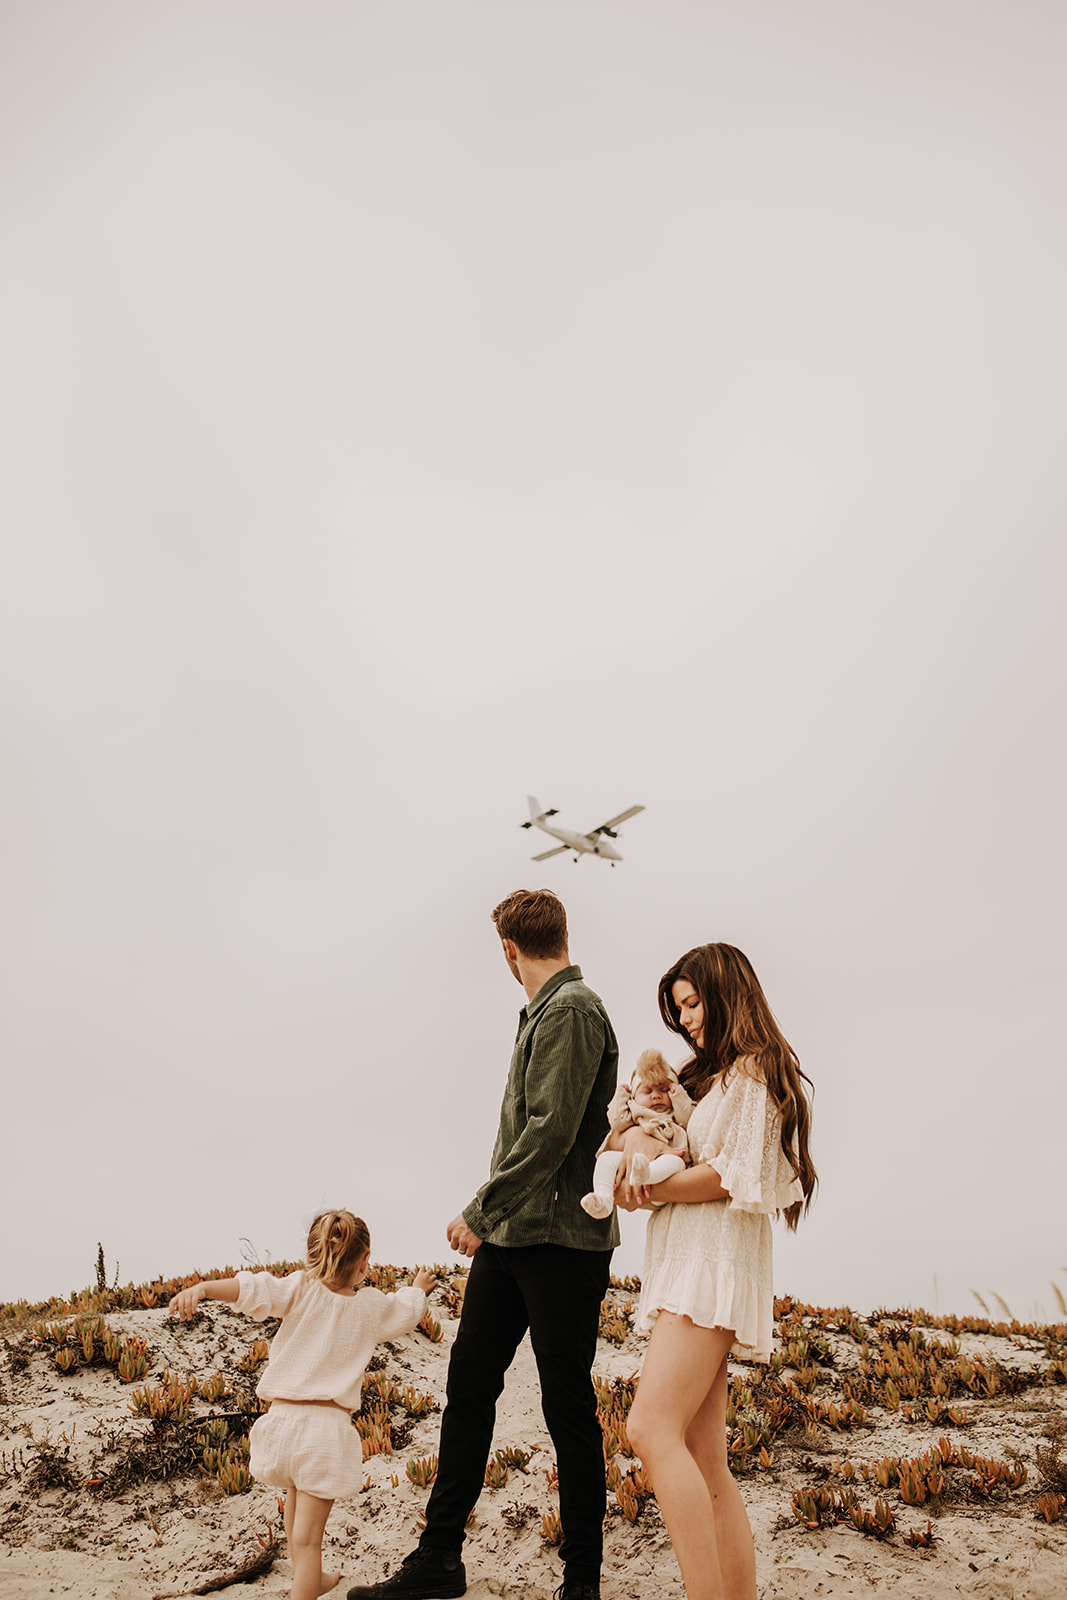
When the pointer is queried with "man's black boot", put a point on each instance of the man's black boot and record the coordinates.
(577, 1589)
(423, 1575)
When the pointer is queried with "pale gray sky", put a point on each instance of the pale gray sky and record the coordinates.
(412, 406)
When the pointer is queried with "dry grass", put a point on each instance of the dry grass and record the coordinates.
(1049, 1464)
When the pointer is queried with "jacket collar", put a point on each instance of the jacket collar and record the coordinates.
(566, 975)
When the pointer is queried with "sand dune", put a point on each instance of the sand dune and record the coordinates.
(67, 1441)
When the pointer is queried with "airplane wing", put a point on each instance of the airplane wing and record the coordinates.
(613, 822)
(558, 851)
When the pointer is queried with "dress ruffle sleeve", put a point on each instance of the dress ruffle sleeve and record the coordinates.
(261, 1294)
(745, 1148)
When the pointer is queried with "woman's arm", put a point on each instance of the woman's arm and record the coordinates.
(692, 1187)
(186, 1301)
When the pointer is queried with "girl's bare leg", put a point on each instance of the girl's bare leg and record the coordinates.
(305, 1524)
(677, 1425)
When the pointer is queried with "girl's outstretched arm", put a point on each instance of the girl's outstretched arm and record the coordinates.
(186, 1301)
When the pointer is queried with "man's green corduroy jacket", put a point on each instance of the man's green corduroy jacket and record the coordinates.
(553, 1119)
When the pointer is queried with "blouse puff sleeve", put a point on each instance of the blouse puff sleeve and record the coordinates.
(396, 1313)
(745, 1148)
(262, 1295)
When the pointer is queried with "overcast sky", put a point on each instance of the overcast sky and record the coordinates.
(409, 407)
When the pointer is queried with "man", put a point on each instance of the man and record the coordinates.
(539, 1263)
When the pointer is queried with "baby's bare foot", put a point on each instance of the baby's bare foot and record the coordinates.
(330, 1580)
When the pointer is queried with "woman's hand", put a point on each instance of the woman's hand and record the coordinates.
(634, 1142)
(186, 1301)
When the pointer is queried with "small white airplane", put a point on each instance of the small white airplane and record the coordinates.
(583, 844)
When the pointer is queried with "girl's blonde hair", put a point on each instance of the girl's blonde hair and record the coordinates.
(337, 1242)
(739, 1025)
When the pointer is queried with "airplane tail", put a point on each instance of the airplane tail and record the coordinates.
(537, 815)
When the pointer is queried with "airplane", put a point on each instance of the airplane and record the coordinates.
(588, 844)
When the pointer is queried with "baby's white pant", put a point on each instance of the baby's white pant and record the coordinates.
(607, 1166)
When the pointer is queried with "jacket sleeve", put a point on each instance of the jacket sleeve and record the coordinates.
(566, 1051)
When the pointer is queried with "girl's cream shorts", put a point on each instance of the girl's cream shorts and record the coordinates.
(314, 1448)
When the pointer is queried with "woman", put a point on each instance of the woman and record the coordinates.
(707, 1289)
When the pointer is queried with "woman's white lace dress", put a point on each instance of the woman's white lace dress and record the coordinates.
(712, 1261)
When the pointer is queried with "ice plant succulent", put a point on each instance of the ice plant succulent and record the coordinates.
(414, 1403)
(422, 1470)
(430, 1327)
(255, 1356)
(551, 1531)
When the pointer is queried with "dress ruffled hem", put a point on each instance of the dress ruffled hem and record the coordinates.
(712, 1295)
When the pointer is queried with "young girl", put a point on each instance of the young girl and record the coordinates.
(655, 1102)
(306, 1443)
(706, 1290)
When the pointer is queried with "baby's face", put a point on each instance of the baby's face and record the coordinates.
(654, 1097)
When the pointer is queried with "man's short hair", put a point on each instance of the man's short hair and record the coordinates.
(536, 920)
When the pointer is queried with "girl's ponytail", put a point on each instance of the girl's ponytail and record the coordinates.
(337, 1242)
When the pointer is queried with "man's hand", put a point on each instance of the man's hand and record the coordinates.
(460, 1237)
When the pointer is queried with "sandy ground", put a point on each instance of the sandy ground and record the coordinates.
(165, 1537)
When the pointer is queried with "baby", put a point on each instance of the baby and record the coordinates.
(655, 1102)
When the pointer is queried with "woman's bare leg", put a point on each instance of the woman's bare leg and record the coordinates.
(707, 1443)
(677, 1425)
(305, 1524)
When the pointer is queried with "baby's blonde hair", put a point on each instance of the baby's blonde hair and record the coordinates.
(337, 1242)
(652, 1069)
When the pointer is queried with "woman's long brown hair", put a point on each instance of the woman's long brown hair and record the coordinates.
(738, 1022)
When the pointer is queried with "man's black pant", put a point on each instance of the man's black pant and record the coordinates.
(556, 1292)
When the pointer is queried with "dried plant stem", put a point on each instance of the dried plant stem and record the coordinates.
(253, 1568)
